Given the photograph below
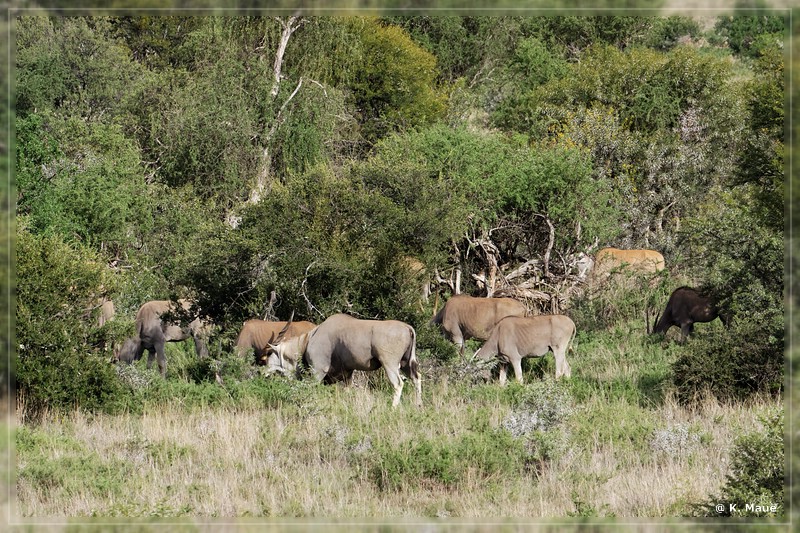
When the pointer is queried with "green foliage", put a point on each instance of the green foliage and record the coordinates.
(734, 364)
(155, 41)
(79, 180)
(575, 34)
(58, 368)
(457, 42)
(757, 476)
(745, 275)
(67, 64)
(761, 162)
(197, 136)
(667, 32)
(532, 64)
(394, 84)
(228, 366)
(316, 127)
(192, 248)
(339, 242)
(653, 124)
(520, 185)
(396, 466)
(431, 342)
(323, 240)
(623, 298)
(743, 31)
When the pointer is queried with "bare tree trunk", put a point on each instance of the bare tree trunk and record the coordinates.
(492, 252)
(262, 178)
(457, 270)
(259, 188)
(289, 26)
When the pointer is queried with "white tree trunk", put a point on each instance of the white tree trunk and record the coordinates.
(260, 185)
(289, 26)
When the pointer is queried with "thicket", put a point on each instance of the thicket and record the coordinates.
(474, 145)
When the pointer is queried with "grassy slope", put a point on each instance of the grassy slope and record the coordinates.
(608, 442)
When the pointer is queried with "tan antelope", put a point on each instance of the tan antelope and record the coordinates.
(343, 344)
(610, 260)
(466, 317)
(515, 338)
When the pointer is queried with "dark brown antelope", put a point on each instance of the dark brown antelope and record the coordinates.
(685, 307)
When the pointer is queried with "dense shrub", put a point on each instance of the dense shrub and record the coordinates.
(742, 32)
(58, 367)
(731, 364)
(757, 475)
(667, 32)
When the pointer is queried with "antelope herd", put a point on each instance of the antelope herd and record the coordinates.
(341, 344)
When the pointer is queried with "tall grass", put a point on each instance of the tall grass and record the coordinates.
(589, 446)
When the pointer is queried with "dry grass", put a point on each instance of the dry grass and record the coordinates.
(313, 461)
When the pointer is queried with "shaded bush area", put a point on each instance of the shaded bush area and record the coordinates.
(731, 364)
(58, 367)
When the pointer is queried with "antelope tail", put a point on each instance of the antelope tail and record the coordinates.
(410, 357)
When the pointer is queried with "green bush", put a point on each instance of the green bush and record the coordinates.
(394, 466)
(743, 31)
(58, 367)
(757, 475)
(666, 32)
(431, 341)
(731, 364)
(394, 84)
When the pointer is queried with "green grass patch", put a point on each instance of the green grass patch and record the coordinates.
(73, 475)
(623, 425)
(393, 466)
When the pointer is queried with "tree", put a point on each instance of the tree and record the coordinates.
(68, 64)
(394, 86)
(742, 32)
(80, 180)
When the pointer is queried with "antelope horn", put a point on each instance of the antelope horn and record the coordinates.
(282, 332)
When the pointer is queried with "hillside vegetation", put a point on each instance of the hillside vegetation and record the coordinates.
(302, 166)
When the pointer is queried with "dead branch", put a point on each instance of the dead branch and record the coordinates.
(269, 314)
(311, 307)
(523, 270)
(660, 217)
